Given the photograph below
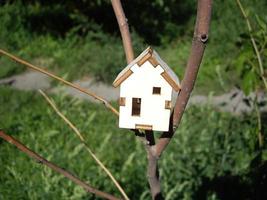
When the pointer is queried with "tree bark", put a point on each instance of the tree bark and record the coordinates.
(200, 39)
(124, 29)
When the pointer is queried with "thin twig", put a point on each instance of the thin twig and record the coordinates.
(56, 168)
(260, 135)
(124, 29)
(90, 93)
(82, 139)
(253, 43)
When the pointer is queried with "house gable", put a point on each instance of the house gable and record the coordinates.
(154, 59)
(151, 113)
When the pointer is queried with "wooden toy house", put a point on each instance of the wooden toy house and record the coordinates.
(147, 86)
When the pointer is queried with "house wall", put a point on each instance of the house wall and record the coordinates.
(140, 85)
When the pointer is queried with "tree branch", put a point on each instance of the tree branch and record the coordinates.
(200, 39)
(54, 167)
(148, 137)
(77, 87)
(82, 139)
(152, 168)
(197, 50)
(124, 29)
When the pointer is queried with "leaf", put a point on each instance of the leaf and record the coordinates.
(51, 133)
(242, 58)
(261, 23)
(76, 150)
(248, 82)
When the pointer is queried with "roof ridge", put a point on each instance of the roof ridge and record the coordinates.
(149, 54)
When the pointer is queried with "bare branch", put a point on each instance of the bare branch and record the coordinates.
(77, 87)
(80, 136)
(197, 50)
(152, 168)
(124, 29)
(148, 137)
(54, 167)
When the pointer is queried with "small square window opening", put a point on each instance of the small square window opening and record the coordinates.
(156, 90)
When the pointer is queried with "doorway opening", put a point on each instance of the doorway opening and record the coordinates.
(136, 106)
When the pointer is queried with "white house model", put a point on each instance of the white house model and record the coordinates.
(147, 85)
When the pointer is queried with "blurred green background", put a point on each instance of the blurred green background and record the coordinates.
(214, 155)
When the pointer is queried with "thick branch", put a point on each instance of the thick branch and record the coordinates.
(77, 87)
(124, 29)
(54, 167)
(152, 168)
(197, 50)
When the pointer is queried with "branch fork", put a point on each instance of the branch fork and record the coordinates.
(200, 38)
(154, 150)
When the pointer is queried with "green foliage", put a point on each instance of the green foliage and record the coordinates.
(224, 146)
(72, 40)
(247, 62)
(13, 21)
(229, 40)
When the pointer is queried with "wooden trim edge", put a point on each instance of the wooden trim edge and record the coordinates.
(143, 127)
(153, 61)
(122, 78)
(144, 58)
(122, 101)
(167, 77)
(168, 104)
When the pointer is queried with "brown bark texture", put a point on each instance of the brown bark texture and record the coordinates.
(124, 29)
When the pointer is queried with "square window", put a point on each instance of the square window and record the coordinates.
(156, 90)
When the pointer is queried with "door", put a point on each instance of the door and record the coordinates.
(136, 106)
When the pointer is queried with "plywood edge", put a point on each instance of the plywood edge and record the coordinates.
(122, 101)
(168, 104)
(167, 77)
(122, 78)
(143, 127)
(145, 58)
(153, 61)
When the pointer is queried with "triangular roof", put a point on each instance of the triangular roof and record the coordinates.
(153, 57)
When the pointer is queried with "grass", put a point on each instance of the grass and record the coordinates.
(226, 145)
